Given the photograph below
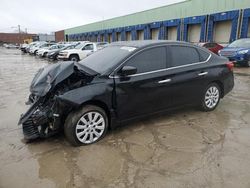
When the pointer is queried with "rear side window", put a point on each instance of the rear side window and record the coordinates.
(184, 55)
(149, 60)
(203, 55)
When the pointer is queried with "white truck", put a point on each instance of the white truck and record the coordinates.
(81, 51)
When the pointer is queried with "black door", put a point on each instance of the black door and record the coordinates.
(189, 74)
(146, 91)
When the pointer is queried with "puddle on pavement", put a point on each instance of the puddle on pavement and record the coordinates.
(186, 148)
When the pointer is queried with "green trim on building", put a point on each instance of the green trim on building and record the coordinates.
(179, 10)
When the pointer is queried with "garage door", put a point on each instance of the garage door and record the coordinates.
(102, 38)
(140, 35)
(194, 31)
(128, 36)
(155, 34)
(222, 31)
(93, 38)
(110, 38)
(119, 37)
(248, 31)
(172, 33)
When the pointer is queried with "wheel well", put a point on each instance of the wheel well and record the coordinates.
(101, 105)
(220, 84)
(74, 55)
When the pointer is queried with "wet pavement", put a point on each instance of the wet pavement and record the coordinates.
(185, 148)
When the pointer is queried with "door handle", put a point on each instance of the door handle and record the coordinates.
(164, 81)
(202, 73)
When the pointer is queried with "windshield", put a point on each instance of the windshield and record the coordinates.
(243, 43)
(104, 59)
(53, 47)
(79, 46)
(69, 47)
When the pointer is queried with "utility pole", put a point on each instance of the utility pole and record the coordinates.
(26, 30)
(19, 31)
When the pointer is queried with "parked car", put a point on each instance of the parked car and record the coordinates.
(12, 46)
(5, 45)
(53, 54)
(212, 46)
(35, 48)
(23, 47)
(80, 51)
(238, 52)
(27, 49)
(44, 51)
(124, 81)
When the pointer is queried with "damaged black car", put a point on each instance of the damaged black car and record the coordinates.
(123, 81)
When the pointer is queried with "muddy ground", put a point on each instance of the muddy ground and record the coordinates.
(185, 148)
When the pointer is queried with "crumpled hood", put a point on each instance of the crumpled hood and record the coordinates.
(49, 76)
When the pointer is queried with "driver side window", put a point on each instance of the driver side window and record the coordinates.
(88, 47)
(149, 60)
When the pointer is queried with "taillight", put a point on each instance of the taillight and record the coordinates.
(230, 65)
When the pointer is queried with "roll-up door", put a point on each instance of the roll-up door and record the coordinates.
(155, 34)
(194, 32)
(102, 38)
(140, 35)
(222, 31)
(110, 38)
(93, 38)
(128, 36)
(172, 33)
(119, 36)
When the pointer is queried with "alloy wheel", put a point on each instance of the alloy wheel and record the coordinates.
(90, 127)
(212, 97)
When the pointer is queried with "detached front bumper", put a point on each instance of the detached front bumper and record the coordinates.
(33, 121)
(36, 121)
(43, 120)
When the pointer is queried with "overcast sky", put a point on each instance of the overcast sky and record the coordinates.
(45, 16)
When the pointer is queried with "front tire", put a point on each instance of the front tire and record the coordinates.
(86, 126)
(211, 97)
(74, 58)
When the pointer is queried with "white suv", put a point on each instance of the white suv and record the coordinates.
(80, 51)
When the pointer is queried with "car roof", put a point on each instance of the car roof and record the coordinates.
(144, 43)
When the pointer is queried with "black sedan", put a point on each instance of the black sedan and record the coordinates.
(123, 81)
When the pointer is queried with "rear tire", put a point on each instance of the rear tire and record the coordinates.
(74, 58)
(86, 126)
(211, 97)
(55, 58)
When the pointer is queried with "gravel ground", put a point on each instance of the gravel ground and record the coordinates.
(184, 148)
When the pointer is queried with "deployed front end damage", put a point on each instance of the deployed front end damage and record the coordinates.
(48, 109)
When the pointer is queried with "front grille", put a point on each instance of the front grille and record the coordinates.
(30, 131)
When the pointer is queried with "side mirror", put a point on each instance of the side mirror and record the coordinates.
(127, 70)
